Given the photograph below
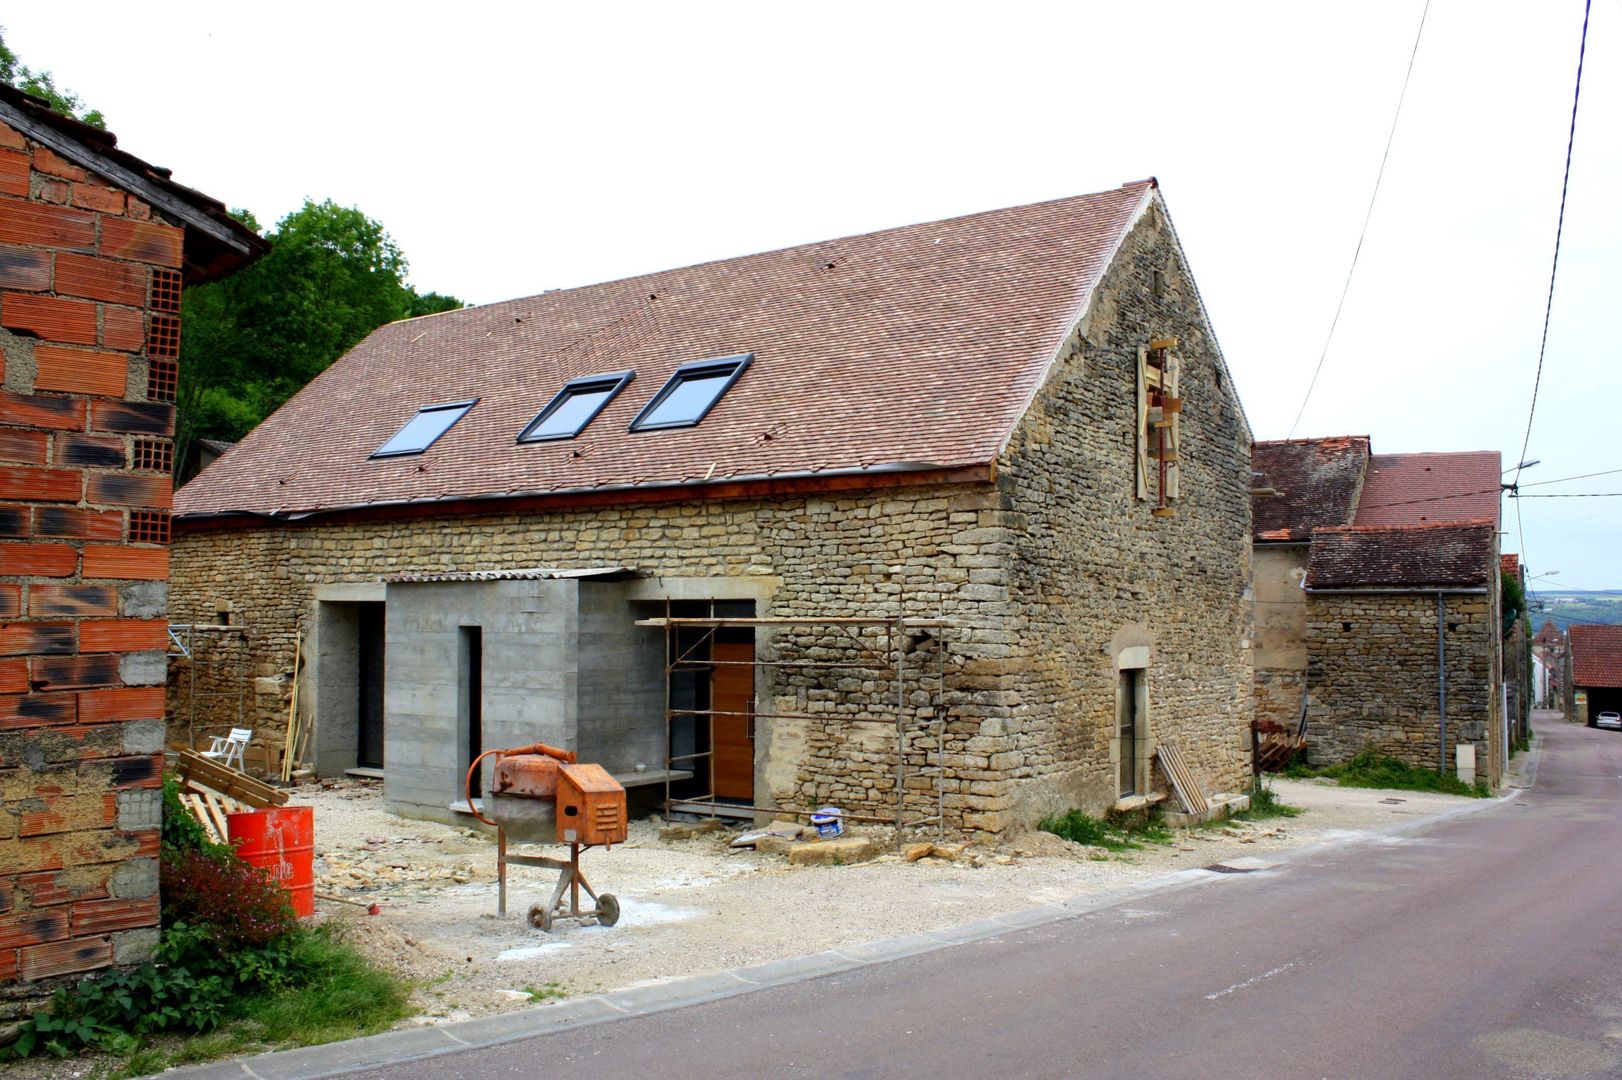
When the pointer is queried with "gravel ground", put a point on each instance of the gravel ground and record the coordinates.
(696, 906)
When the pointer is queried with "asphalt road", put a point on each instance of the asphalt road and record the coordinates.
(1485, 945)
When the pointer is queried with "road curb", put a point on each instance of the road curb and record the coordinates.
(434, 1040)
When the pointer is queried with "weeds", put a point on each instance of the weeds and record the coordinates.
(1374, 770)
(550, 992)
(1080, 828)
(1264, 804)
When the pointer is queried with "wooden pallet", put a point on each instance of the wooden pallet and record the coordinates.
(1275, 746)
(207, 773)
(1182, 781)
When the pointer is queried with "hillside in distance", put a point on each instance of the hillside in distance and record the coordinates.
(1577, 606)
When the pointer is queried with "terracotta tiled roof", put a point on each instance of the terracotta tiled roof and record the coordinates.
(911, 348)
(1314, 483)
(1424, 489)
(1596, 655)
(1510, 564)
(1548, 633)
(1401, 556)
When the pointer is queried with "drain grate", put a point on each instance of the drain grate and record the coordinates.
(1219, 868)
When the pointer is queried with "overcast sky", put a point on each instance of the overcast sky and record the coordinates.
(515, 148)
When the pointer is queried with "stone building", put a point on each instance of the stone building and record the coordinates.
(1596, 671)
(1017, 425)
(1377, 598)
(95, 246)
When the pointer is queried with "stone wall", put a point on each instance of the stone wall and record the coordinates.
(1047, 578)
(1281, 631)
(1097, 578)
(1374, 677)
(89, 302)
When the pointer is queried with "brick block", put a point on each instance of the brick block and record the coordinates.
(63, 958)
(69, 814)
(38, 560)
(37, 639)
(51, 163)
(34, 711)
(8, 965)
(138, 210)
(133, 564)
(13, 173)
(15, 522)
(24, 446)
(40, 485)
(14, 676)
(98, 846)
(30, 856)
(134, 417)
(65, 886)
(47, 226)
(94, 451)
(55, 191)
(123, 328)
(142, 241)
(33, 928)
(11, 601)
(73, 523)
(95, 197)
(49, 318)
(130, 703)
(21, 268)
(107, 916)
(101, 279)
(123, 635)
(48, 673)
(129, 489)
(36, 410)
(82, 371)
(12, 138)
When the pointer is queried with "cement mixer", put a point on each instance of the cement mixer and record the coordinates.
(541, 794)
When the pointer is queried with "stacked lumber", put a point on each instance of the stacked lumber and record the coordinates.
(211, 791)
(1182, 780)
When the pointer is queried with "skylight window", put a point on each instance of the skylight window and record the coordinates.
(424, 429)
(691, 393)
(575, 406)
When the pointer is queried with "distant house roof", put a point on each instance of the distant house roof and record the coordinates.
(215, 243)
(1596, 655)
(1402, 556)
(1424, 489)
(910, 350)
(1548, 633)
(1510, 564)
(1305, 484)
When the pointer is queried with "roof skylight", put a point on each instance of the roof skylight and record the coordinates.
(424, 429)
(691, 393)
(575, 406)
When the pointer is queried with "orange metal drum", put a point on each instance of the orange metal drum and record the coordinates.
(282, 842)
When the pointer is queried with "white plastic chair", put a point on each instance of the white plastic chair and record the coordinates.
(228, 748)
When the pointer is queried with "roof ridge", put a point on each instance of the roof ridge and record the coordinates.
(1472, 523)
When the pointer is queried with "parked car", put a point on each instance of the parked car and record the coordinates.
(1609, 720)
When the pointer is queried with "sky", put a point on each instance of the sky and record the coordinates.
(514, 148)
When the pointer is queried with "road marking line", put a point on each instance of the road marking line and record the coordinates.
(1250, 981)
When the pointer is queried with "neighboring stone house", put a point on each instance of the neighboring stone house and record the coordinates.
(1596, 670)
(1359, 559)
(95, 246)
(1017, 423)
(1549, 666)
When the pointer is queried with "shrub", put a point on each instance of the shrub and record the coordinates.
(241, 903)
(1370, 769)
(1080, 828)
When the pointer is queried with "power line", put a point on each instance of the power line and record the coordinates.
(1494, 490)
(1576, 495)
(1344, 289)
(1563, 479)
(1559, 227)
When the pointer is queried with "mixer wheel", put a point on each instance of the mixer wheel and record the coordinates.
(540, 917)
(608, 909)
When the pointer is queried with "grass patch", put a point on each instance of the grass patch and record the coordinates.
(340, 995)
(1126, 834)
(550, 992)
(1265, 804)
(1372, 770)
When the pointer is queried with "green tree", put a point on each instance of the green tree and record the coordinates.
(253, 340)
(43, 85)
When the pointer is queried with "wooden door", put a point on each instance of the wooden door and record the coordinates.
(732, 737)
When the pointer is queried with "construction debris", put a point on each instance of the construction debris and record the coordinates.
(840, 852)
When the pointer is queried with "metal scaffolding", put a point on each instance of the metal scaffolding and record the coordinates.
(876, 645)
(216, 657)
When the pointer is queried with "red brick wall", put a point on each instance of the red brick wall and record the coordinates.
(89, 323)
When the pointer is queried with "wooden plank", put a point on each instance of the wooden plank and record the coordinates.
(1162, 343)
(227, 781)
(216, 811)
(194, 803)
(1182, 780)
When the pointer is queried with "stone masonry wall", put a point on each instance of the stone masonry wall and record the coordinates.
(1374, 677)
(1096, 574)
(89, 305)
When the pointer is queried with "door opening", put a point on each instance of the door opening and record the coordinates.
(470, 656)
(1129, 732)
(370, 666)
